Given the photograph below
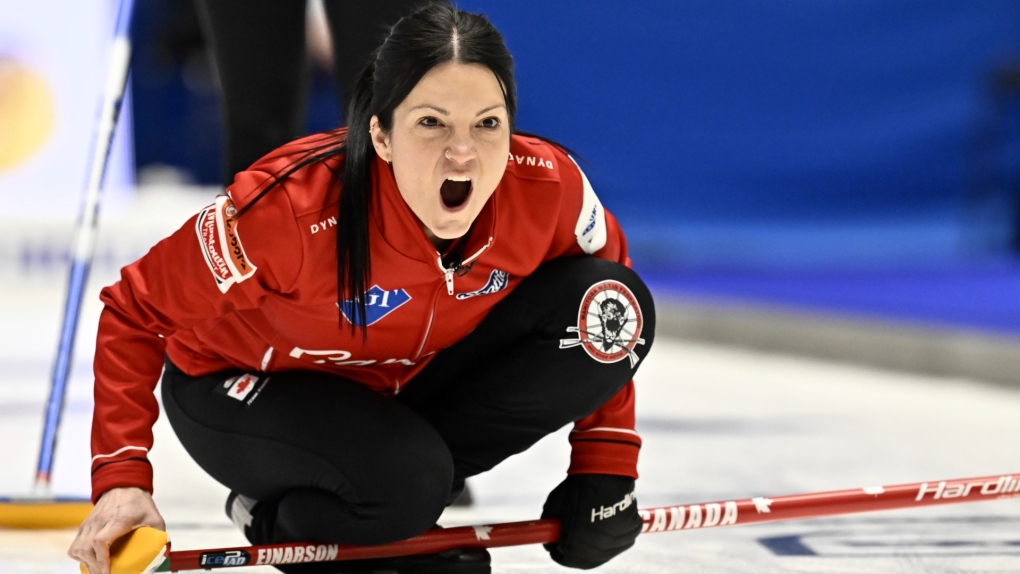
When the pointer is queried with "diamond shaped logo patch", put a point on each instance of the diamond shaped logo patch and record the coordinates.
(379, 303)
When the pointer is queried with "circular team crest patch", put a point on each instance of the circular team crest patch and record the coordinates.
(609, 323)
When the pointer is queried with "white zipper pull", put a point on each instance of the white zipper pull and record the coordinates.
(449, 281)
(448, 273)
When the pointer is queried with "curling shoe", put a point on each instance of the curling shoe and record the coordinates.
(239, 508)
(249, 516)
(460, 496)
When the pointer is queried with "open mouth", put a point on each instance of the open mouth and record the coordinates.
(455, 191)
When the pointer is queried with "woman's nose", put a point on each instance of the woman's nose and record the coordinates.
(461, 149)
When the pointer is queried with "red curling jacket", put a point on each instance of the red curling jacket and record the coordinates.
(258, 293)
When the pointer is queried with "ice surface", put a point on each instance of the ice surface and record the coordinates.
(717, 424)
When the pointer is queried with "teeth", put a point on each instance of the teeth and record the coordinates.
(459, 178)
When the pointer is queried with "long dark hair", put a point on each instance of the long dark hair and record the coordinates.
(435, 33)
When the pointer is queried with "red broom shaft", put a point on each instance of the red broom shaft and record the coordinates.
(431, 542)
(820, 504)
(663, 519)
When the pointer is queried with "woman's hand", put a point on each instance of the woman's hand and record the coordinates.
(598, 517)
(118, 512)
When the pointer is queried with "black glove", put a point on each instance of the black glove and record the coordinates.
(598, 517)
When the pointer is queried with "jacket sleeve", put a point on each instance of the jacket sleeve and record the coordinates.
(604, 442)
(201, 272)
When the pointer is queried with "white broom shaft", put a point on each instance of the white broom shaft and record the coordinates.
(84, 242)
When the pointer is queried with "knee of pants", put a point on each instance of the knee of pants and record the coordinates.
(408, 508)
(588, 322)
(605, 303)
(415, 488)
(396, 494)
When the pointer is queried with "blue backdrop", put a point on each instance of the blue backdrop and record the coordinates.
(735, 132)
(742, 131)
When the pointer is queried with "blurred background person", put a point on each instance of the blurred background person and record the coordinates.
(262, 52)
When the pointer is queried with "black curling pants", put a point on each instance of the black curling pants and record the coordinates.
(258, 47)
(340, 463)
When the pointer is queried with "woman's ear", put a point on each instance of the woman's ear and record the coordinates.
(380, 140)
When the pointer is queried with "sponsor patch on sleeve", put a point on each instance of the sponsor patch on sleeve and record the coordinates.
(591, 222)
(221, 246)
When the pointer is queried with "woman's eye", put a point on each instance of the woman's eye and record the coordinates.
(490, 123)
(429, 122)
